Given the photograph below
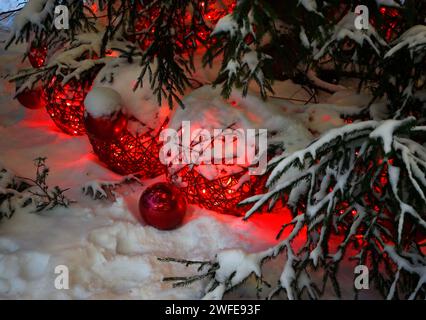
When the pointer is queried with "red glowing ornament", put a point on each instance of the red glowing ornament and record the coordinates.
(32, 98)
(65, 104)
(143, 30)
(222, 195)
(162, 206)
(213, 12)
(211, 157)
(391, 21)
(123, 150)
(37, 54)
(105, 128)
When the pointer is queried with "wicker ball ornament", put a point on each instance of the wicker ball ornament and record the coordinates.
(221, 195)
(392, 20)
(126, 153)
(37, 54)
(218, 153)
(65, 104)
(121, 149)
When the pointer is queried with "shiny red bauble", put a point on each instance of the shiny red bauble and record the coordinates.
(162, 206)
(105, 128)
(32, 98)
(37, 54)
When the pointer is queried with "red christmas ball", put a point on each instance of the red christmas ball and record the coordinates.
(32, 98)
(105, 128)
(162, 206)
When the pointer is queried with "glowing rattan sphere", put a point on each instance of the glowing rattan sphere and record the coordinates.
(37, 54)
(221, 195)
(65, 104)
(126, 152)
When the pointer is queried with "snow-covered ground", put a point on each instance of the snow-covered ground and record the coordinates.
(109, 250)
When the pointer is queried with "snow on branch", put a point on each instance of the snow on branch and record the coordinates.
(33, 14)
(35, 20)
(310, 5)
(414, 39)
(240, 44)
(345, 29)
(358, 192)
(30, 195)
(105, 189)
(77, 59)
(403, 74)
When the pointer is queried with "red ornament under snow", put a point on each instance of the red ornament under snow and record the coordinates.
(37, 54)
(162, 206)
(128, 153)
(213, 156)
(32, 98)
(114, 139)
(105, 128)
(65, 104)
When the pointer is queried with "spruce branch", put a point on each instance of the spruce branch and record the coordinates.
(18, 192)
(99, 190)
(45, 198)
(363, 184)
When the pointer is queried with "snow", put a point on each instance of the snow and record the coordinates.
(313, 148)
(251, 60)
(216, 294)
(403, 263)
(102, 102)
(7, 5)
(232, 68)
(389, 3)
(304, 38)
(310, 5)
(225, 25)
(207, 74)
(287, 277)
(206, 109)
(109, 250)
(385, 132)
(345, 29)
(414, 38)
(323, 84)
(236, 259)
(141, 103)
(34, 12)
